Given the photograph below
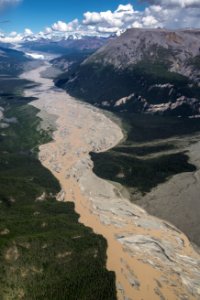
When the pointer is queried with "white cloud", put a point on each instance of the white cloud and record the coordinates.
(35, 55)
(65, 27)
(171, 3)
(156, 8)
(27, 31)
(136, 24)
(160, 13)
(60, 26)
(122, 18)
(149, 21)
(128, 8)
(91, 18)
(107, 29)
(174, 17)
(7, 3)
(48, 30)
(13, 34)
(15, 37)
(11, 39)
(109, 18)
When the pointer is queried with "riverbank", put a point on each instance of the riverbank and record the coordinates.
(151, 258)
(41, 240)
(161, 172)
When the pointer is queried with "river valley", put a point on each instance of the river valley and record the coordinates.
(151, 258)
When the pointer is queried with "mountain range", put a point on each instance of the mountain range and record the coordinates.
(63, 46)
(153, 71)
(149, 71)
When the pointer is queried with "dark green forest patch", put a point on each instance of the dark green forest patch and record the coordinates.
(45, 253)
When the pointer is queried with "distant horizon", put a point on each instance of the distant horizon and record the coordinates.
(23, 18)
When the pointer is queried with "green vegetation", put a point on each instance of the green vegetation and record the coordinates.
(141, 79)
(147, 128)
(12, 61)
(130, 163)
(16, 84)
(44, 252)
(145, 150)
(141, 174)
(195, 62)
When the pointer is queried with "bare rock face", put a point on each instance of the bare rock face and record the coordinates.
(61, 196)
(4, 231)
(175, 46)
(12, 254)
(182, 106)
(42, 197)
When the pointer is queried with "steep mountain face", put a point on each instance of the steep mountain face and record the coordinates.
(179, 50)
(142, 71)
(11, 61)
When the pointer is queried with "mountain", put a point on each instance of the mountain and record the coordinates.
(63, 46)
(11, 61)
(71, 61)
(142, 71)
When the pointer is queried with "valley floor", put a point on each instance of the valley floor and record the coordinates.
(151, 258)
(161, 175)
(178, 199)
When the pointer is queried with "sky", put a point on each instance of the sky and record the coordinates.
(46, 18)
(39, 14)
